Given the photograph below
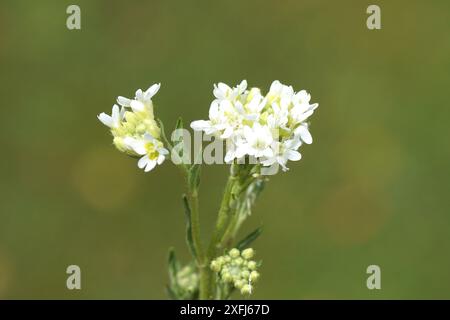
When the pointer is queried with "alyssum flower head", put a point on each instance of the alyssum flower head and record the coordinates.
(267, 128)
(135, 130)
(237, 269)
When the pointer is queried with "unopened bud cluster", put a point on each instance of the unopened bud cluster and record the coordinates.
(187, 278)
(237, 268)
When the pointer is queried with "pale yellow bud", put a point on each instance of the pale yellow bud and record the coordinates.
(248, 253)
(227, 277)
(215, 266)
(246, 289)
(239, 284)
(234, 253)
(251, 265)
(254, 275)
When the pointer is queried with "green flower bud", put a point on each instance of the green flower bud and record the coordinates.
(254, 275)
(239, 284)
(245, 274)
(220, 260)
(234, 253)
(227, 277)
(251, 265)
(248, 253)
(238, 261)
(246, 289)
(215, 266)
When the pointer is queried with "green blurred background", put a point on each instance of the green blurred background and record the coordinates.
(372, 189)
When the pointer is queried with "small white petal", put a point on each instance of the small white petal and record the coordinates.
(143, 162)
(125, 102)
(137, 145)
(139, 94)
(242, 86)
(275, 86)
(137, 106)
(293, 155)
(304, 134)
(152, 91)
(227, 133)
(163, 151)
(160, 159)
(200, 125)
(106, 119)
(150, 165)
(214, 109)
(115, 115)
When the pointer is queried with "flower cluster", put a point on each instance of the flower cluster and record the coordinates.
(238, 269)
(135, 129)
(267, 128)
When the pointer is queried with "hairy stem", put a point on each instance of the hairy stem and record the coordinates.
(202, 262)
(223, 219)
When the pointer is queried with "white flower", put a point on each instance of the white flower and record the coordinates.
(279, 118)
(303, 132)
(234, 148)
(142, 100)
(222, 91)
(223, 119)
(150, 148)
(280, 91)
(214, 123)
(112, 121)
(258, 141)
(252, 109)
(285, 151)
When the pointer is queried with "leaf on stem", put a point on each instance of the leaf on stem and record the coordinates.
(244, 243)
(163, 134)
(189, 239)
(174, 266)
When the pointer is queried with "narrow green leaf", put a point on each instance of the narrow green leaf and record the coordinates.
(244, 243)
(189, 240)
(173, 265)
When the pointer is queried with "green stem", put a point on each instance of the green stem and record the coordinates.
(201, 258)
(223, 219)
(195, 221)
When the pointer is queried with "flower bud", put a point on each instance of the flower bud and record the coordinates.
(251, 265)
(227, 277)
(239, 284)
(246, 289)
(248, 253)
(254, 275)
(234, 253)
(215, 266)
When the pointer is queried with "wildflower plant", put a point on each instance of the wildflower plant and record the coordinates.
(260, 133)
